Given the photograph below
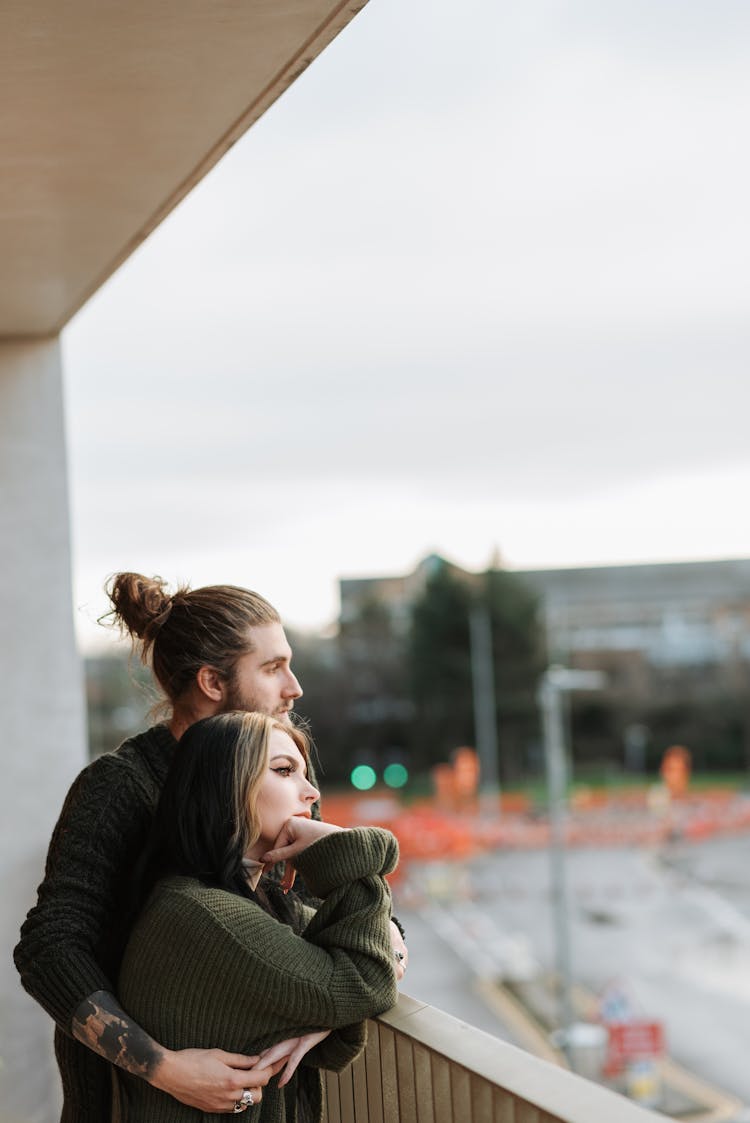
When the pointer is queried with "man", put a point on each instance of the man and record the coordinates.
(211, 650)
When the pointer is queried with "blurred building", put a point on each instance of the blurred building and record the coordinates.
(673, 640)
(649, 626)
(654, 629)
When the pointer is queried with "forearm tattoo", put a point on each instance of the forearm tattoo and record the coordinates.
(101, 1024)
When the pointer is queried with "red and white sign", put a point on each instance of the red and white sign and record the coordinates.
(633, 1041)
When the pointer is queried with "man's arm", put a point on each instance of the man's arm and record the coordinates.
(101, 1024)
(208, 1079)
(69, 941)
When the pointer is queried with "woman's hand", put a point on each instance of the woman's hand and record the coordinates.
(295, 836)
(292, 1050)
(400, 952)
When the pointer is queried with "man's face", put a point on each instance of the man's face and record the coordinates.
(262, 681)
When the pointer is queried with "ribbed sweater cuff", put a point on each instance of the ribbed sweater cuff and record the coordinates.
(346, 856)
(67, 986)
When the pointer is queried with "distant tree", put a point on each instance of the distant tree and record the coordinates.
(440, 669)
(519, 658)
(372, 651)
(440, 665)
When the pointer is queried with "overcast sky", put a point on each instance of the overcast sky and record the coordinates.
(479, 279)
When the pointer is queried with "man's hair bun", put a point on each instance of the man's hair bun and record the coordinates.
(139, 604)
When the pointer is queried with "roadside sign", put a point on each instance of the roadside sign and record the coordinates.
(633, 1041)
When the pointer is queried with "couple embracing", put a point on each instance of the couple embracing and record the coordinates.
(187, 976)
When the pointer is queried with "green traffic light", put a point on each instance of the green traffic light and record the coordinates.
(363, 777)
(395, 775)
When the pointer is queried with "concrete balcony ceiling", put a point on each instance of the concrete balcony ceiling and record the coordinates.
(111, 112)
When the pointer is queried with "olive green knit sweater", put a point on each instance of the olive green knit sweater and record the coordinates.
(207, 968)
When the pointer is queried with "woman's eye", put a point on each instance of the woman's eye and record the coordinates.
(284, 771)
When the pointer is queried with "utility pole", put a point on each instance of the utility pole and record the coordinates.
(483, 687)
(555, 682)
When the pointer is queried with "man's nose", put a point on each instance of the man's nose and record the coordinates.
(292, 688)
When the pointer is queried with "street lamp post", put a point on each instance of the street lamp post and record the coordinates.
(483, 685)
(555, 682)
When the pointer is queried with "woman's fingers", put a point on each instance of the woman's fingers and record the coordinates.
(400, 952)
(304, 1045)
(287, 880)
(280, 1051)
(296, 834)
(237, 1060)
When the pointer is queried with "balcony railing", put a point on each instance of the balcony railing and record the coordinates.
(423, 1066)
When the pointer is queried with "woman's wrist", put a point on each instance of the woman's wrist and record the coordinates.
(357, 852)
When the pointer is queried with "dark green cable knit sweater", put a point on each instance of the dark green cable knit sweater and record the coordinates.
(208, 968)
(72, 940)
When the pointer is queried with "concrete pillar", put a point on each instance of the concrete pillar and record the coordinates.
(42, 722)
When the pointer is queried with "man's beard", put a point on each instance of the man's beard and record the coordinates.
(245, 703)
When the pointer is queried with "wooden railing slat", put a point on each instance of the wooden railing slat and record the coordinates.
(407, 1096)
(423, 1084)
(481, 1100)
(441, 1089)
(503, 1106)
(331, 1083)
(346, 1096)
(359, 1086)
(389, 1076)
(374, 1076)
(461, 1094)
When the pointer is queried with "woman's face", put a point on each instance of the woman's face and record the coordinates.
(284, 790)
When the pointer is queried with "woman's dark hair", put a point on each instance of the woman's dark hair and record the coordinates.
(206, 820)
(183, 631)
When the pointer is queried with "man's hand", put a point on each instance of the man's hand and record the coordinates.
(210, 1079)
(295, 836)
(400, 952)
(292, 1051)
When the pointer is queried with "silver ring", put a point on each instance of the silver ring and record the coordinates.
(244, 1102)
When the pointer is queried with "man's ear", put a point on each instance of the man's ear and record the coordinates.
(210, 683)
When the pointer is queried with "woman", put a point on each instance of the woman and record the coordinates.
(222, 957)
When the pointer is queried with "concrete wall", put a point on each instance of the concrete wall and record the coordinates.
(41, 692)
